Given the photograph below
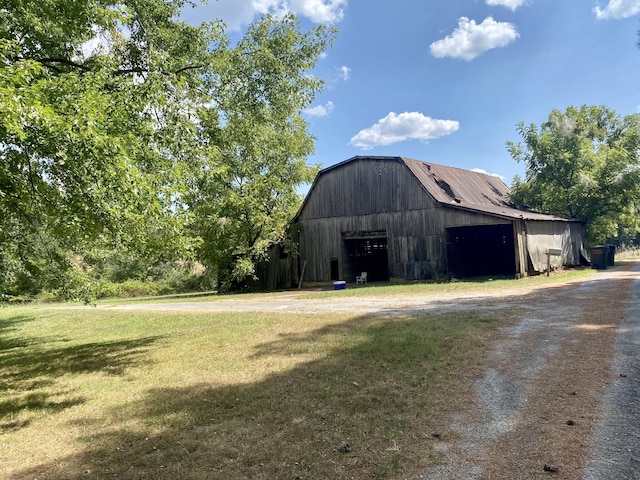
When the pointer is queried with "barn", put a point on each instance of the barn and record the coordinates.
(397, 218)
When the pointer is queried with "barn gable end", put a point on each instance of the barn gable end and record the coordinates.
(364, 186)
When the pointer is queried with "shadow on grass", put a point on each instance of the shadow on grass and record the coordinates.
(7, 327)
(384, 385)
(31, 365)
(370, 384)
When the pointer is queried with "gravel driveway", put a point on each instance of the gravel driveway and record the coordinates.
(616, 443)
(559, 396)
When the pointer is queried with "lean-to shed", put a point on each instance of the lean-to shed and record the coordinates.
(399, 218)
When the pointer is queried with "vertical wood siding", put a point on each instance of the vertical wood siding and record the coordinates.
(383, 195)
(365, 187)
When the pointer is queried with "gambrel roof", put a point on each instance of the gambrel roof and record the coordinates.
(457, 188)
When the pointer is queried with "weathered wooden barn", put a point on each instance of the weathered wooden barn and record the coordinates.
(399, 218)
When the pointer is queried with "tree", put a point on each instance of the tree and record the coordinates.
(245, 194)
(582, 164)
(119, 123)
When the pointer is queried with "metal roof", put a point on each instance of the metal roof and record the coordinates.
(469, 190)
(458, 188)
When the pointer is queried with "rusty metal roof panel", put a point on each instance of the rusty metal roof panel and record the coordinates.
(469, 190)
(457, 186)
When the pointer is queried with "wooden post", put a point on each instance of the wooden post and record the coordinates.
(555, 252)
(304, 265)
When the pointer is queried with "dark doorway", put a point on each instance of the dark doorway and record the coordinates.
(480, 251)
(368, 255)
(335, 271)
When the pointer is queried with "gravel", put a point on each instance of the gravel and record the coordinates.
(615, 445)
(517, 363)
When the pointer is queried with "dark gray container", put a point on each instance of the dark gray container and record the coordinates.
(599, 255)
(611, 255)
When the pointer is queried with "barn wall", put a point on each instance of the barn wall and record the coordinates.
(364, 196)
(414, 244)
(563, 235)
(416, 241)
(279, 271)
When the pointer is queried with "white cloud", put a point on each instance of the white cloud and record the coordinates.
(512, 4)
(470, 39)
(344, 73)
(480, 170)
(319, 11)
(101, 43)
(406, 126)
(618, 9)
(93, 46)
(319, 110)
(237, 13)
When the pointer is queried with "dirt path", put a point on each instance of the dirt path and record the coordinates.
(540, 398)
(299, 301)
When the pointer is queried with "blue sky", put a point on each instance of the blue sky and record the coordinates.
(446, 81)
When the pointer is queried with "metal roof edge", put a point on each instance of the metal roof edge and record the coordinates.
(512, 213)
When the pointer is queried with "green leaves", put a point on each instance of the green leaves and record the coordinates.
(583, 164)
(245, 193)
(122, 126)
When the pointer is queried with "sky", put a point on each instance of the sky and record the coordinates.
(447, 81)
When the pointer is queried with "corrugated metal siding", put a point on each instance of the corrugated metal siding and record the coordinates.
(541, 236)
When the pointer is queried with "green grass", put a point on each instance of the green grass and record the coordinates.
(93, 393)
(467, 285)
(476, 284)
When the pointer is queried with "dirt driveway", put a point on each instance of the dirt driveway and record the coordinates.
(545, 404)
(548, 402)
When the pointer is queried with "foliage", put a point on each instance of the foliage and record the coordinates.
(582, 164)
(245, 195)
(122, 126)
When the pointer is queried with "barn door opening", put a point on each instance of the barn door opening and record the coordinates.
(335, 270)
(483, 250)
(367, 252)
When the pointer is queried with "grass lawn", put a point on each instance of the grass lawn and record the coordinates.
(377, 289)
(97, 394)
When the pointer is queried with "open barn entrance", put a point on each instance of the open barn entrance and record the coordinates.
(481, 250)
(367, 252)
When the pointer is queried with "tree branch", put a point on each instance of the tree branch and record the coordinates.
(54, 63)
(50, 62)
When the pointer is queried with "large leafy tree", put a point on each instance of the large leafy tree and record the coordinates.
(121, 124)
(245, 195)
(582, 163)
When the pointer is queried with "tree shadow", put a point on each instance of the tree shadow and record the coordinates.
(372, 381)
(7, 327)
(31, 365)
(371, 390)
